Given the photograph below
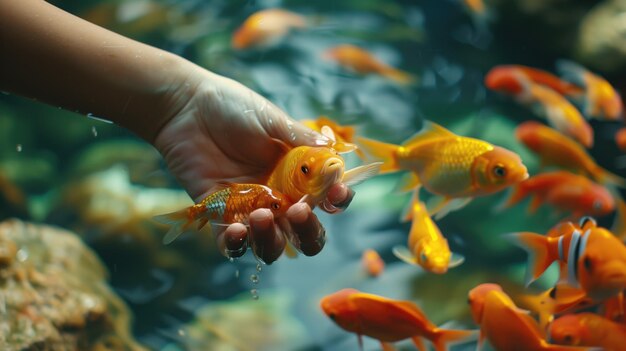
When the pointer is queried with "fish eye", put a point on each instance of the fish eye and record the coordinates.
(568, 339)
(597, 205)
(553, 293)
(499, 171)
(423, 257)
(588, 264)
(304, 169)
(333, 316)
(275, 205)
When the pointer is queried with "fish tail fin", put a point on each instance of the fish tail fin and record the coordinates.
(387, 153)
(398, 76)
(539, 258)
(606, 177)
(179, 221)
(443, 337)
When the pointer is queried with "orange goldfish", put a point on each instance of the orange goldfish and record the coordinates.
(565, 191)
(372, 263)
(361, 61)
(506, 326)
(546, 102)
(507, 79)
(558, 149)
(266, 27)
(427, 246)
(451, 166)
(230, 203)
(620, 139)
(595, 259)
(342, 133)
(588, 329)
(386, 320)
(307, 172)
(601, 100)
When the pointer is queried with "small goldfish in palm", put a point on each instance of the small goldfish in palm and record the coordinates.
(588, 329)
(504, 325)
(386, 320)
(555, 148)
(600, 98)
(427, 247)
(230, 203)
(266, 27)
(454, 167)
(543, 99)
(361, 61)
(565, 191)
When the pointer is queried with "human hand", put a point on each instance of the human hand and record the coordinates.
(226, 132)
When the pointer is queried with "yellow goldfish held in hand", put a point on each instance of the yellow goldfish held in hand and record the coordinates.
(451, 166)
(265, 27)
(361, 61)
(230, 203)
(427, 247)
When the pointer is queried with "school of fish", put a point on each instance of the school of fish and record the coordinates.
(583, 310)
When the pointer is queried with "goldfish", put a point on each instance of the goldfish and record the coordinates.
(372, 263)
(595, 259)
(361, 61)
(555, 148)
(544, 100)
(565, 191)
(229, 203)
(266, 27)
(619, 222)
(600, 98)
(306, 173)
(507, 327)
(507, 79)
(342, 133)
(453, 167)
(620, 139)
(386, 320)
(588, 329)
(426, 247)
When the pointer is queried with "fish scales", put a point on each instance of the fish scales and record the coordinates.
(444, 165)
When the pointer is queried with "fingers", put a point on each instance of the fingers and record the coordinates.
(268, 242)
(280, 126)
(307, 228)
(339, 198)
(233, 242)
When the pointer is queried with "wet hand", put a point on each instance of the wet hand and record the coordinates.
(226, 132)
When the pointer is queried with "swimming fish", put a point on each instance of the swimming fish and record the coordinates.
(307, 173)
(386, 320)
(507, 327)
(588, 329)
(620, 139)
(545, 101)
(230, 203)
(361, 61)
(454, 167)
(426, 246)
(265, 27)
(601, 101)
(565, 191)
(555, 148)
(595, 259)
(372, 263)
(506, 79)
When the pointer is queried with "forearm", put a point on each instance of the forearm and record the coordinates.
(52, 56)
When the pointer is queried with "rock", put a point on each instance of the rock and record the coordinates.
(54, 295)
(601, 42)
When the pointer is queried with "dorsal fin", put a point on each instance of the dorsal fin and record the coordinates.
(429, 131)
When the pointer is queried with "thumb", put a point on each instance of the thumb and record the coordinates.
(280, 126)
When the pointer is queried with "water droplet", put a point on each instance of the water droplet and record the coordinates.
(259, 267)
(94, 131)
(18, 147)
(254, 279)
(255, 294)
(237, 274)
(231, 259)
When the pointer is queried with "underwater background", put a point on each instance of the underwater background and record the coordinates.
(104, 184)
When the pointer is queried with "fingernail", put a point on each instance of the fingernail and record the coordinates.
(344, 204)
(263, 218)
(298, 213)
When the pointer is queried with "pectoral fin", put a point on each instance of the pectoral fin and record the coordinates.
(359, 174)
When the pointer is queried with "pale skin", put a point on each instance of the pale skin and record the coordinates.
(207, 127)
